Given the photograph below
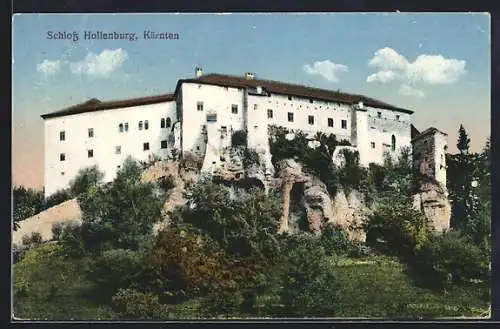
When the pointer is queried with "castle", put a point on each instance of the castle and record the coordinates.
(203, 112)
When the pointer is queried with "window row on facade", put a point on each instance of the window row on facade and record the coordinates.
(118, 150)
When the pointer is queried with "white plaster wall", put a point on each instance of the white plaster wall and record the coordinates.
(106, 138)
(380, 131)
(440, 157)
(302, 108)
(215, 100)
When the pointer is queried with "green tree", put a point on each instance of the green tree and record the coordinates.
(120, 214)
(85, 179)
(463, 141)
(26, 203)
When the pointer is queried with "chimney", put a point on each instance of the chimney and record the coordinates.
(249, 76)
(198, 72)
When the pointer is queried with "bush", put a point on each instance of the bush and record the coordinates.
(396, 227)
(166, 183)
(250, 158)
(136, 305)
(191, 161)
(334, 240)
(450, 258)
(71, 241)
(34, 239)
(114, 269)
(239, 138)
(57, 229)
(359, 250)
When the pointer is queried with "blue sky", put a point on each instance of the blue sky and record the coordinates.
(435, 64)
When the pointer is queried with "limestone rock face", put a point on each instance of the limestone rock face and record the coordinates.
(318, 204)
(432, 200)
(349, 211)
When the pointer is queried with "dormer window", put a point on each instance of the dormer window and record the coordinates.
(397, 117)
(379, 114)
(289, 98)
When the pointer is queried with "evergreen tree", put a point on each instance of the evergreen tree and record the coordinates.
(463, 141)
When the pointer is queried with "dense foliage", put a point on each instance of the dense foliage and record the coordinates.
(221, 255)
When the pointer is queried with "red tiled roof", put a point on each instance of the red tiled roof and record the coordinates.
(292, 90)
(236, 82)
(94, 104)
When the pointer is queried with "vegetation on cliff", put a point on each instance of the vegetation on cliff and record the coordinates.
(222, 257)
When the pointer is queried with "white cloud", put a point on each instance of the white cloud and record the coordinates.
(428, 69)
(382, 76)
(407, 90)
(100, 65)
(48, 67)
(326, 69)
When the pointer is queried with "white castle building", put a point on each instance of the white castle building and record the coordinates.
(200, 117)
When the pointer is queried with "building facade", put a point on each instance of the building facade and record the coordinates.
(200, 118)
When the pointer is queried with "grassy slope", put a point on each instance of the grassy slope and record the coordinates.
(49, 287)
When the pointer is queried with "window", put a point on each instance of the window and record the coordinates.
(290, 117)
(379, 114)
(330, 122)
(397, 117)
(162, 123)
(120, 127)
(91, 132)
(62, 136)
(90, 153)
(145, 146)
(140, 125)
(146, 125)
(344, 124)
(310, 119)
(234, 109)
(126, 126)
(169, 122)
(118, 149)
(269, 114)
(373, 145)
(163, 144)
(62, 157)
(393, 143)
(289, 98)
(199, 106)
(212, 117)
(311, 100)
(62, 173)
(254, 106)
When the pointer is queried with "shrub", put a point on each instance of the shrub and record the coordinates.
(309, 285)
(359, 250)
(191, 161)
(136, 305)
(450, 258)
(166, 183)
(239, 138)
(34, 239)
(71, 241)
(334, 240)
(57, 229)
(401, 229)
(114, 269)
(250, 158)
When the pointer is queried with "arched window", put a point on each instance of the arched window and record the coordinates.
(169, 122)
(120, 127)
(146, 125)
(393, 143)
(126, 126)
(140, 125)
(162, 124)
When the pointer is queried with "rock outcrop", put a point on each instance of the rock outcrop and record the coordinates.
(349, 211)
(433, 202)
